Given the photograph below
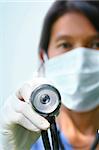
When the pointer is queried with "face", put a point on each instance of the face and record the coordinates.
(70, 31)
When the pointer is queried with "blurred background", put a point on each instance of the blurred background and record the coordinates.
(20, 28)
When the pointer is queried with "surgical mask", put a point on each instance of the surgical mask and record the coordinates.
(76, 75)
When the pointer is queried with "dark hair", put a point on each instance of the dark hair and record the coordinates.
(89, 8)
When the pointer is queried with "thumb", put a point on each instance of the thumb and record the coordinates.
(24, 92)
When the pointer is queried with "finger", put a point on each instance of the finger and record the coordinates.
(18, 94)
(25, 91)
(26, 109)
(26, 123)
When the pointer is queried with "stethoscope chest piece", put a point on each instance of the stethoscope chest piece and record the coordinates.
(46, 100)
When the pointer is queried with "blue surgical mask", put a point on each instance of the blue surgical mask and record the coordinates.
(76, 75)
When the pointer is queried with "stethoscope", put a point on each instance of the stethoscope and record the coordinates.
(46, 100)
(96, 142)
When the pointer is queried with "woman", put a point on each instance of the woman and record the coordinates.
(69, 52)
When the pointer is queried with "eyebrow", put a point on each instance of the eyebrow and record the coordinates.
(64, 37)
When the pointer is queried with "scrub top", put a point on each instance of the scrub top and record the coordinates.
(65, 145)
(39, 144)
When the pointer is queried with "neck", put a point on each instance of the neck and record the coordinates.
(78, 125)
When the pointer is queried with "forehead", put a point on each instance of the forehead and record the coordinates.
(73, 24)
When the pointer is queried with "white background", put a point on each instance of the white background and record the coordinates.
(20, 28)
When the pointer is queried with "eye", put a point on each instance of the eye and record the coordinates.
(65, 45)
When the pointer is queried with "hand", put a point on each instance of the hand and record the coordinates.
(20, 125)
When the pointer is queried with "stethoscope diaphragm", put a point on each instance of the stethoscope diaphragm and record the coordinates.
(46, 100)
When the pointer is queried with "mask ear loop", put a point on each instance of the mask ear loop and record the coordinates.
(41, 68)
